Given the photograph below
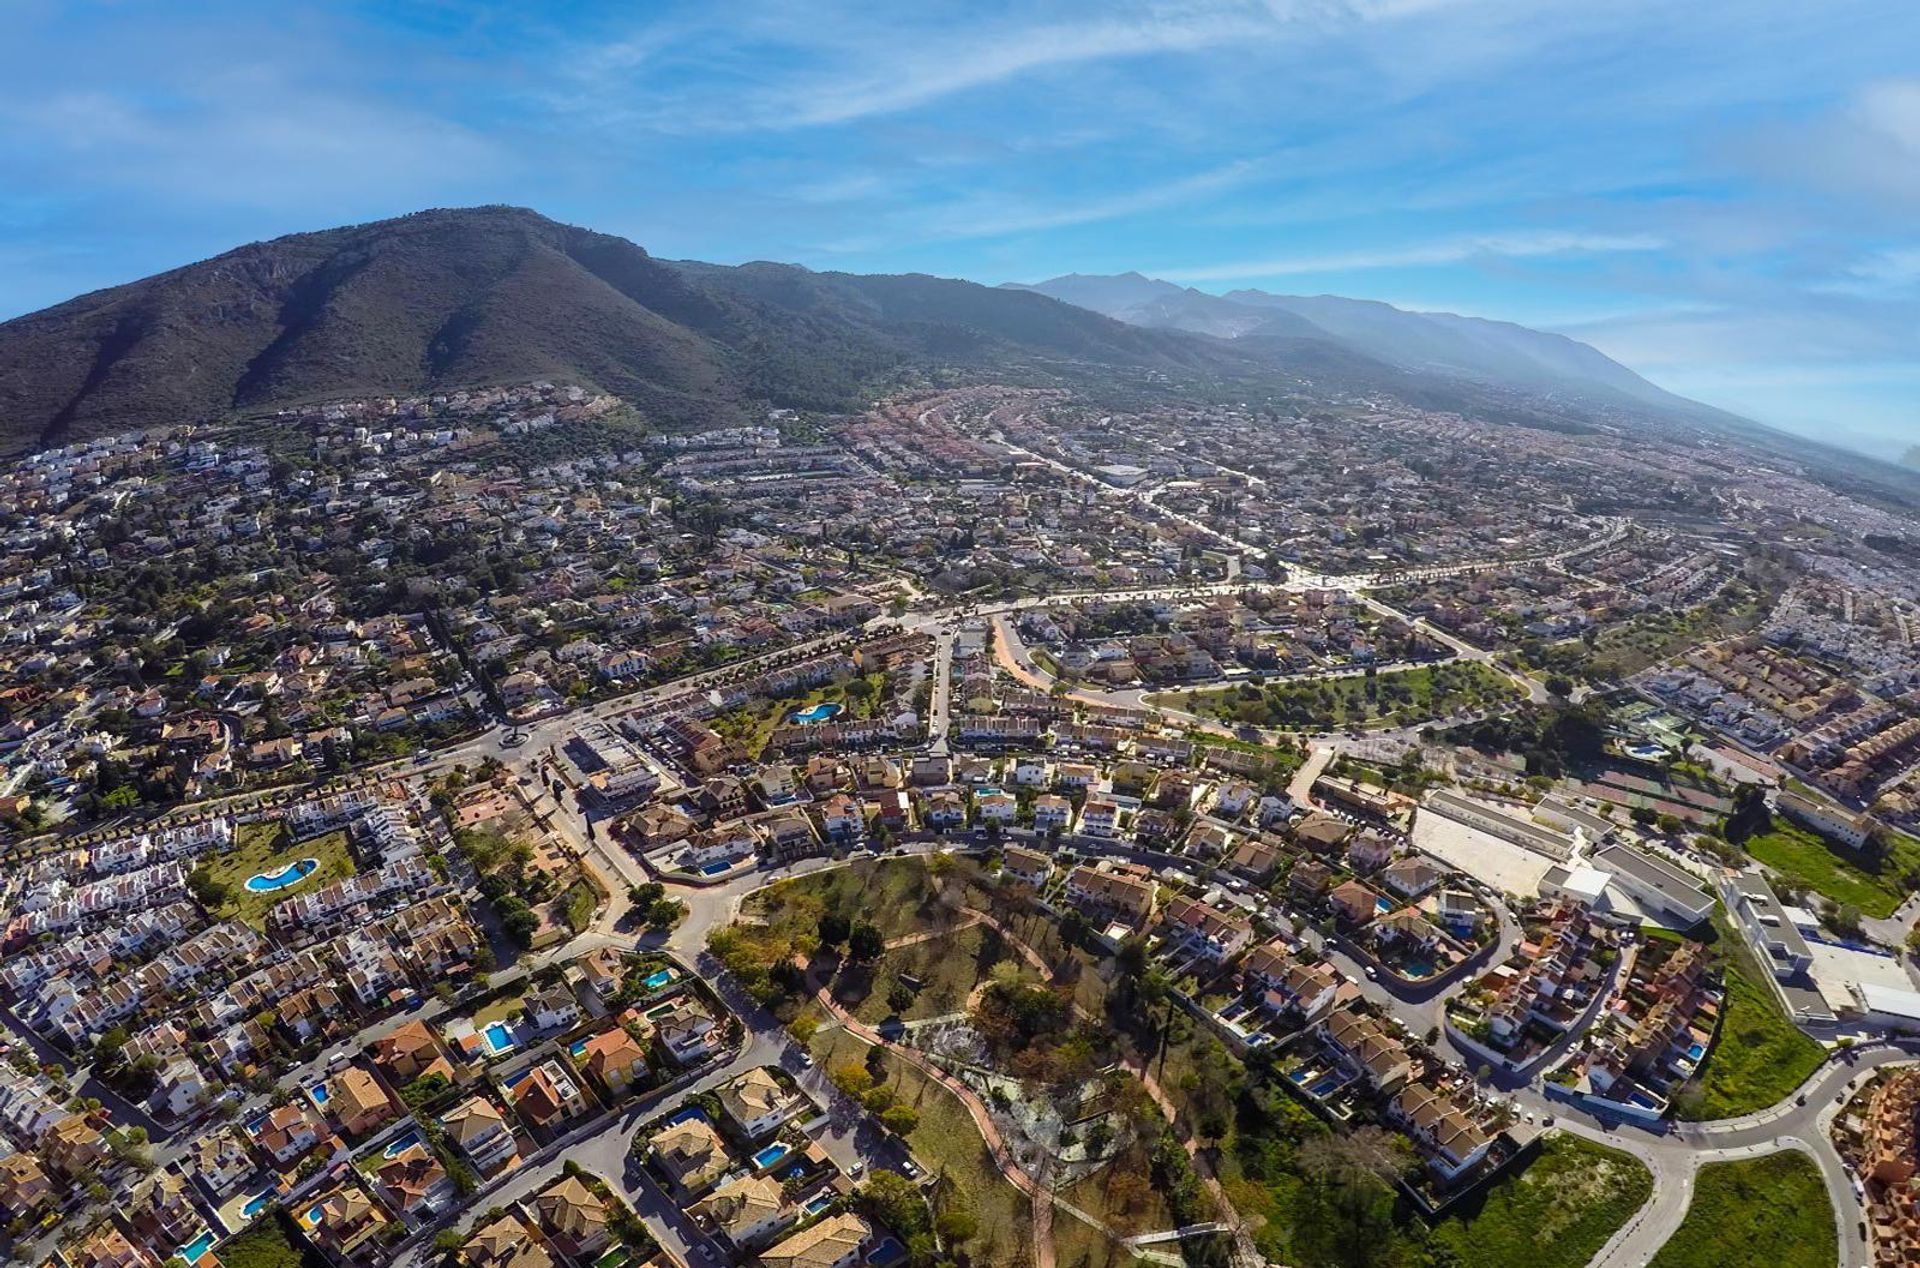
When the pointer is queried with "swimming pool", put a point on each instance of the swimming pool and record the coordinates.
(714, 869)
(257, 1203)
(312, 1216)
(816, 712)
(319, 1093)
(291, 874)
(578, 1048)
(658, 978)
(499, 1037)
(818, 1203)
(888, 1250)
(1696, 1051)
(687, 1116)
(196, 1250)
(401, 1145)
(771, 1154)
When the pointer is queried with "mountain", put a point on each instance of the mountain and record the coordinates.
(461, 297)
(1497, 353)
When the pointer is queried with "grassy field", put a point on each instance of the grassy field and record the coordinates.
(902, 896)
(1394, 697)
(1759, 1056)
(949, 1145)
(1077, 1245)
(948, 968)
(266, 847)
(1769, 1211)
(1554, 1214)
(1833, 870)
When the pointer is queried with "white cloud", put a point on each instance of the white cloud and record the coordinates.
(992, 217)
(1514, 245)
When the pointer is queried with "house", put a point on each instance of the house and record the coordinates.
(108, 1247)
(615, 1058)
(1051, 811)
(1768, 928)
(944, 808)
(547, 1094)
(287, 1133)
(24, 1185)
(1321, 832)
(357, 1101)
(995, 806)
(1255, 859)
(478, 1129)
(1451, 1141)
(552, 1008)
(343, 1220)
(690, 1153)
(221, 1159)
(506, 1242)
(414, 1183)
(838, 1242)
(1363, 1043)
(1099, 817)
(1208, 931)
(1355, 903)
(1031, 772)
(602, 970)
(841, 818)
(1112, 895)
(1309, 880)
(574, 1216)
(1029, 867)
(744, 1210)
(756, 1102)
(687, 1031)
(1370, 851)
(160, 1210)
(411, 1052)
(1411, 877)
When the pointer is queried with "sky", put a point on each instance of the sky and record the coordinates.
(1723, 194)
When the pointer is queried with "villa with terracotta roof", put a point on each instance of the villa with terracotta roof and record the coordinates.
(507, 1242)
(358, 1102)
(837, 1242)
(411, 1052)
(744, 1211)
(690, 1152)
(615, 1058)
(574, 1216)
(757, 1102)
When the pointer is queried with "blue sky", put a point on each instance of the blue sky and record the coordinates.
(1724, 195)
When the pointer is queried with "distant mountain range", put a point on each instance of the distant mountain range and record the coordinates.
(487, 295)
(1496, 353)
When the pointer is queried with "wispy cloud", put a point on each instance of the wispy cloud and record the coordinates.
(1514, 246)
(990, 217)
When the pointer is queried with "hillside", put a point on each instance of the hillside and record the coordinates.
(1500, 354)
(499, 294)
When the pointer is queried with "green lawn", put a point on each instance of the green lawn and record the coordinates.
(1770, 1211)
(1393, 696)
(1759, 1057)
(266, 847)
(1555, 1214)
(1833, 870)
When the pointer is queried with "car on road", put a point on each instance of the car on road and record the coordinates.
(1373, 974)
(858, 1168)
(806, 1061)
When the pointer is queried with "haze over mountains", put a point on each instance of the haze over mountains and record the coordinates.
(1493, 352)
(485, 295)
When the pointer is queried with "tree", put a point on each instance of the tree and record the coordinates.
(645, 896)
(1559, 686)
(900, 1120)
(833, 929)
(666, 913)
(900, 997)
(865, 942)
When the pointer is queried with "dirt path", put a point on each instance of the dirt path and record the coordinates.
(915, 939)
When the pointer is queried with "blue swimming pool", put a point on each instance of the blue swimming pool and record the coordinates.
(257, 1203)
(578, 1048)
(714, 869)
(313, 1215)
(499, 1037)
(771, 1154)
(658, 978)
(291, 874)
(401, 1144)
(196, 1250)
(887, 1251)
(319, 1093)
(1696, 1051)
(687, 1116)
(816, 712)
(818, 1203)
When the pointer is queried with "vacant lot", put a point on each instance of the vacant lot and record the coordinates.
(1759, 1057)
(1770, 1212)
(1848, 877)
(266, 847)
(1555, 1214)
(1391, 697)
